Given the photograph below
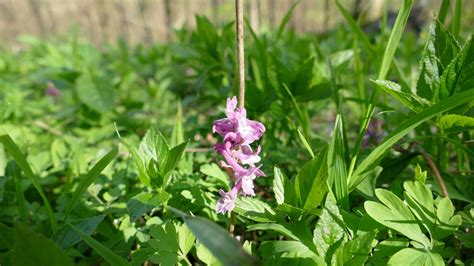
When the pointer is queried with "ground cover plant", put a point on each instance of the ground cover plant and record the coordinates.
(351, 148)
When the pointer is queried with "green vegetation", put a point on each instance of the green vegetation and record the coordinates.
(106, 155)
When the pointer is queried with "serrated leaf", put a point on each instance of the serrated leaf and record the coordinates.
(394, 214)
(310, 183)
(456, 122)
(441, 47)
(172, 160)
(459, 75)
(329, 232)
(283, 188)
(412, 101)
(411, 256)
(32, 248)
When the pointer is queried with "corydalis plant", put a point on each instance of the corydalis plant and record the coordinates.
(238, 133)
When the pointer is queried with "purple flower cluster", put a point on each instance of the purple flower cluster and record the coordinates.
(238, 133)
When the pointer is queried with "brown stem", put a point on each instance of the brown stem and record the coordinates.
(231, 223)
(239, 25)
(435, 170)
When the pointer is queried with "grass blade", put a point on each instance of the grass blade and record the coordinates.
(305, 143)
(285, 20)
(457, 18)
(443, 11)
(377, 154)
(337, 173)
(393, 41)
(19, 195)
(89, 178)
(395, 37)
(356, 29)
(102, 250)
(20, 159)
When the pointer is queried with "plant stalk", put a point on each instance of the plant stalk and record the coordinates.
(436, 172)
(239, 26)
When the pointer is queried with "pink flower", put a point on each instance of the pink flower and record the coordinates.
(243, 130)
(227, 201)
(238, 133)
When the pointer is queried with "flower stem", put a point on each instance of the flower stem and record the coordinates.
(239, 26)
(231, 223)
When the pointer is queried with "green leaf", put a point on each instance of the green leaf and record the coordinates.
(32, 248)
(305, 143)
(412, 101)
(459, 74)
(65, 237)
(390, 246)
(87, 179)
(440, 222)
(172, 161)
(7, 237)
(420, 200)
(405, 127)
(145, 202)
(310, 183)
(356, 251)
(289, 253)
(440, 49)
(283, 188)
(446, 223)
(295, 230)
(254, 209)
(185, 239)
(165, 242)
(20, 159)
(394, 214)
(337, 172)
(102, 250)
(394, 166)
(329, 232)
(95, 91)
(206, 256)
(454, 122)
(215, 171)
(225, 248)
(411, 256)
